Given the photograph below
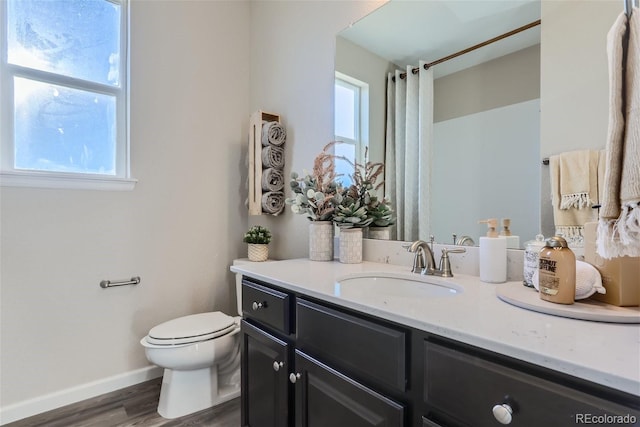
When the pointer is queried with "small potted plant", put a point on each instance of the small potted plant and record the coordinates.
(258, 238)
(383, 219)
(351, 217)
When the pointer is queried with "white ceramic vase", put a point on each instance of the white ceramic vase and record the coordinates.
(321, 241)
(351, 245)
(258, 252)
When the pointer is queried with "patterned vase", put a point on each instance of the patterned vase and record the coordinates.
(321, 241)
(258, 252)
(380, 233)
(351, 245)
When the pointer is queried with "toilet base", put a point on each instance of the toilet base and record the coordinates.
(186, 392)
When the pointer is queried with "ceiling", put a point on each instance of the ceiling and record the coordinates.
(407, 31)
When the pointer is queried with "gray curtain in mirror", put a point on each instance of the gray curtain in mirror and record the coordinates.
(408, 149)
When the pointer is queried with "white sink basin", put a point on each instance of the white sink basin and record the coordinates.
(390, 287)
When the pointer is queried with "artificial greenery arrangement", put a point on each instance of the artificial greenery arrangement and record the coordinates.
(316, 195)
(381, 213)
(368, 179)
(257, 235)
(320, 197)
(350, 214)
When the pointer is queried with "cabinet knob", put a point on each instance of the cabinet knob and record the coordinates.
(257, 305)
(294, 377)
(502, 413)
(277, 365)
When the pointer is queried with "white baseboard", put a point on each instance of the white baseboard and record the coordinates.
(28, 408)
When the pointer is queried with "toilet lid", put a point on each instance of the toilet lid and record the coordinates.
(193, 328)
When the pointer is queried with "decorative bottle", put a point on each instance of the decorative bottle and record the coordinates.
(557, 272)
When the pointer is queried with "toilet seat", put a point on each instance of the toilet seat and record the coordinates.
(191, 329)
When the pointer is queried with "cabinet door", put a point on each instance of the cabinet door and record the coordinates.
(339, 339)
(265, 386)
(477, 392)
(327, 398)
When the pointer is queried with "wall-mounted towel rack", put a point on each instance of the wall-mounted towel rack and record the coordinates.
(110, 284)
(629, 5)
(258, 181)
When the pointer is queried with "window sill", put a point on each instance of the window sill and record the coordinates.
(66, 181)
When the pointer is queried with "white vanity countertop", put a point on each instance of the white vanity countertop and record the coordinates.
(604, 353)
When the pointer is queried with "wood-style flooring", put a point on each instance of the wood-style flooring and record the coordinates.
(131, 406)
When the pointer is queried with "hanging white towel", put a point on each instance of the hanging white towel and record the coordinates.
(619, 224)
(574, 189)
(578, 179)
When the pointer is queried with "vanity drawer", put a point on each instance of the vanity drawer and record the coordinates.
(357, 346)
(267, 306)
(465, 387)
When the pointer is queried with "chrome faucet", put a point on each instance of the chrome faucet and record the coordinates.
(424, 262)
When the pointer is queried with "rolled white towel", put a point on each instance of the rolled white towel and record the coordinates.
(273, 133)
(272, 179)
(273, 202)
(273, 157)
(588, 280)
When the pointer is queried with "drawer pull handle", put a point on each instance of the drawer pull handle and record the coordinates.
(258, 305)
(277, 365)
(502, 413)
(294, 377)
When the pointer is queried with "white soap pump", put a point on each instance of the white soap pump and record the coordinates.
(493, 254)
(513, 242)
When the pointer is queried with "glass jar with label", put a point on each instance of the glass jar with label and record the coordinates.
(531, 254)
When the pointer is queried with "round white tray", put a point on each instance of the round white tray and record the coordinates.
(585, 309)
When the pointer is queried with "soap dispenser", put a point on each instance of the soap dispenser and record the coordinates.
(513, 242)
(493, 254)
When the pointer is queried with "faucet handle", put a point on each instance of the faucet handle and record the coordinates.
(445, 263)
(446, 251)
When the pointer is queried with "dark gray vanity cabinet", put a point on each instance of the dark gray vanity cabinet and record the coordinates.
(346, 364)
(308, 365)
(463, 387)
(326, 397)
(266, 356)
(265, 382)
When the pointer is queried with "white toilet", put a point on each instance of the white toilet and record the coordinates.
(200, 355)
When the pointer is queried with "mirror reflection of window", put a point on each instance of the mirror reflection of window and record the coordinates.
(351, 121)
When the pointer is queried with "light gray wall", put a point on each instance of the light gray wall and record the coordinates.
(179, 229)
(500, 145)
(509, 79)
(292, 74)
(574, 88)
(199, 69)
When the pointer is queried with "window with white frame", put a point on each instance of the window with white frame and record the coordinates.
(63, 93)
(351, 123)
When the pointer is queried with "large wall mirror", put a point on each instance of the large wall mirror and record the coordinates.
(486, 157)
